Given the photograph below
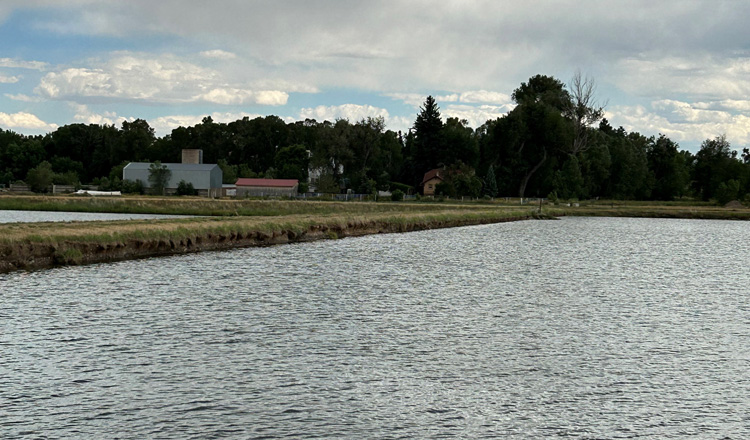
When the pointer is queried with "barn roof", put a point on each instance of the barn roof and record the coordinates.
(432, 174)
(276, 183)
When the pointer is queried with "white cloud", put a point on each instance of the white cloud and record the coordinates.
(165, 124)
(228, 96)
(447, 98)
(218, 54)
(155, 80)
(352, 112)
(732, 105)
(475, 115)
(24, 120)
(392, 45)
(485, 97)
(399, 123)
(21, 64)
(85, 115)
(23, 98)
(682, 122)
(699, 76)
(355, 113)
(412, 99)
(678, 111)
(685, 62)
(461, 105)
(469, 97)
(9, 79)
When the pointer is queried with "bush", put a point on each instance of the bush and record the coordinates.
(397, 195)
(552, 197)
(67, 178)
(445, 189)
(186, 189)
(105, 184)
(727, 191)
(40, 177)
(130, 187)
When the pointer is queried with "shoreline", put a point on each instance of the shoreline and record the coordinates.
(65, 246)
(230, 224)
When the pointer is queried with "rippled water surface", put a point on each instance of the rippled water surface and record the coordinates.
(11, 216)
(579, 328)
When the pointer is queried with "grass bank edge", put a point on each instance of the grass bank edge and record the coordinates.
(182, 229)
(215, 207)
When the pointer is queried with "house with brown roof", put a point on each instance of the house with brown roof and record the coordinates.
(247, 187)
(430, 181)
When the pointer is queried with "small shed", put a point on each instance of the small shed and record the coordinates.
(430, 181)
(247, 187)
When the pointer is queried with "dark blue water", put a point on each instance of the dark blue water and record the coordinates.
(579, 328)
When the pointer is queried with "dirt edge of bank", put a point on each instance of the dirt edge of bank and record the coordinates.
(35, 256)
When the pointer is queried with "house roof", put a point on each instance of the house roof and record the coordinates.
(432, 174)
(276, 183)
(174, 166)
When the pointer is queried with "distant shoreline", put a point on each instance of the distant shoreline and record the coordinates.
(233, 224)
(33, 246)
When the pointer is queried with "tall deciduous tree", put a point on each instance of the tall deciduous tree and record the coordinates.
(667, 168)
(458, 144)
(136, 139)
(535, 130)
(715, 164)
(291, 162)
(158, 177)
(583, 109)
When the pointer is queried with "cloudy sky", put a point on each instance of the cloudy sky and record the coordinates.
(679, 67)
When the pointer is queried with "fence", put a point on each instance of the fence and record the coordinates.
(63, 189)
(17, 187)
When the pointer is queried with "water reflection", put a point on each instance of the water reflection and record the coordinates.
(11, 216)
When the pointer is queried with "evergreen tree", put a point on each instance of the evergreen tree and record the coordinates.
(490, 183)
(427, 140)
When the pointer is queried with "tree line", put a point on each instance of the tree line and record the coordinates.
(554, 143)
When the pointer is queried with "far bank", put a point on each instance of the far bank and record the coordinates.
(31, 246)
(236, 223)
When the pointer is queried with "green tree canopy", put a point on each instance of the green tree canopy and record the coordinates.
(158, 177)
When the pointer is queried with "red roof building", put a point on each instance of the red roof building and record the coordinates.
(430, 181)
(247, 187)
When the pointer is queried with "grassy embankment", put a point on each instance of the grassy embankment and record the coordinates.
(676, 209)
(234, 224)
(241, 223)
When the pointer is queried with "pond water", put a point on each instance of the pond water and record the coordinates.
(578, 328)
(11, 216)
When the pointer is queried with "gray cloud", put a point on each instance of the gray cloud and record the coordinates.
(641, 51)
(449, 45)
(165, 79)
